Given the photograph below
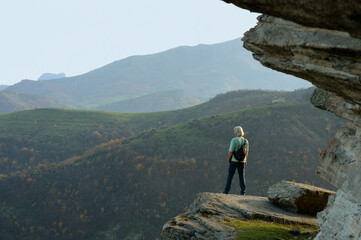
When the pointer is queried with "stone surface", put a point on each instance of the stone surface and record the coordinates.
(337, 222)
(299, 197)
(320, 41)
(330, 14)
(206, 217)
(331, 102)
(340, 162)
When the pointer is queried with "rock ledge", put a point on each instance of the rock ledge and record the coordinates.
(206, 217)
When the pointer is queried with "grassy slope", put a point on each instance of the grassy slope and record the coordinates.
(138, 184)
(41, 123)
(67, 121)
(160, 101)
(261, 230)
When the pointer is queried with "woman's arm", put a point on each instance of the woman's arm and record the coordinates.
(230, 154)
(246, 155)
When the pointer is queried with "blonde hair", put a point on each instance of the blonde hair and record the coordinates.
(238, 131)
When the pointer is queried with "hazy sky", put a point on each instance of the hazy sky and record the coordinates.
(76, 36)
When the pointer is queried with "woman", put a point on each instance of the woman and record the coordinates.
(239, 142)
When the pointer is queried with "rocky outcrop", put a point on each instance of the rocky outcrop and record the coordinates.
(209, 213)
(337, 105)
(328, 14)
(320, 41)
(341, 218)
(299, 197)
(329, 59)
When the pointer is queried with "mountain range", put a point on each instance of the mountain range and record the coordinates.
(201, 72)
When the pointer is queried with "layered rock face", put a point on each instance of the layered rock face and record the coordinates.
(329, 14)
(320, 41)
(329, 59)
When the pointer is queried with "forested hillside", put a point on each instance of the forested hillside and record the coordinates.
(11, 101)
(47, 136)
(138, 170)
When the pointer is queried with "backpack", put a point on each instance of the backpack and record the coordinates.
(239, 154)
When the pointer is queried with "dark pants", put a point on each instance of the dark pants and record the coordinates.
(241, 173)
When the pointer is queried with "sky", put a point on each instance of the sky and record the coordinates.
(77, 36)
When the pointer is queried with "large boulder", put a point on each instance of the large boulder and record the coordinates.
(299, 197)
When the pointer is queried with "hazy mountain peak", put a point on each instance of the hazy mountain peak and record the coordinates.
(50, 76)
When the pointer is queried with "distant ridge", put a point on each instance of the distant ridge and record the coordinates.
(160, 101)
(201, 71)
(10, 102)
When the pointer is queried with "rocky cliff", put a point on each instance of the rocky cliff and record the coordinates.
(217, 216)
(289, 212)
(320, 41)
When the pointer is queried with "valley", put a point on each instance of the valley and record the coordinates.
(73, 174)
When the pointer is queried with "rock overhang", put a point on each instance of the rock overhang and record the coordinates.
(328, 14)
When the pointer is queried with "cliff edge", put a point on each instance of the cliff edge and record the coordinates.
(218, 216)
